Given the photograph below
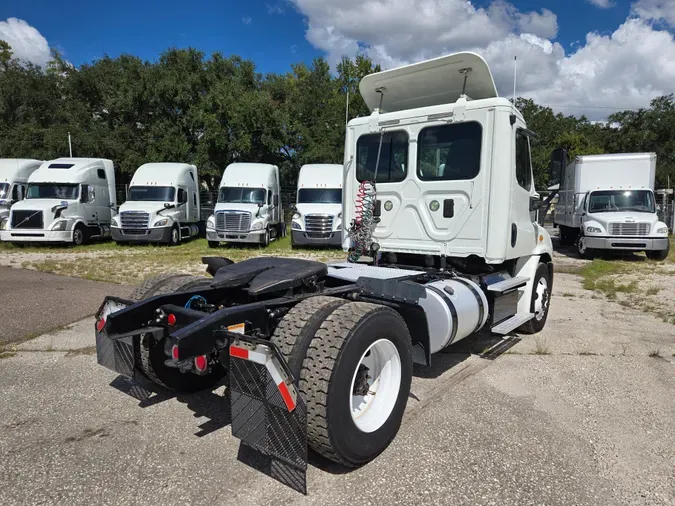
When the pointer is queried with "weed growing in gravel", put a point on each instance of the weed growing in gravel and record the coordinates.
(655, 354)
(653, 290)
(541, 346)
(568, 294)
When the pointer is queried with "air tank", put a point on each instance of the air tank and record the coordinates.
(455, 308)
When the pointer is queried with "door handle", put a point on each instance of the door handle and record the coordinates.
(448, 208)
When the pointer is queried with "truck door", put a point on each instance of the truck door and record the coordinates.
(183, 205)
(523, 232)
(102, 198)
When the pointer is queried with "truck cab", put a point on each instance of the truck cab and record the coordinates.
(317, 220)
(249, 208)
(68, 200)
(162, 205)
(607, 203)
(14, 173)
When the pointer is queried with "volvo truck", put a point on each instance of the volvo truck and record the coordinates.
(162, 205)
(318, 210)
(607, 203)
(320, 356)
(249, 207)
(14, 173)
(68, 200)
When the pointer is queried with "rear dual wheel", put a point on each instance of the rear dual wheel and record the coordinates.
(354, 363)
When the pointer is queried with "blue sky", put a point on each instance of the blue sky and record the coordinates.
(274, 38)
(579, 56)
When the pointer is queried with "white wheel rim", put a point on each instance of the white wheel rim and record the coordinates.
(175, 235)
(370, 412)
(541, 303)
(77, 239)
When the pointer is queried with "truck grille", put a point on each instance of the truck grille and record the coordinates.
(135, 219)
(318, 225)
(629, 228)
(27, 219)
(233, 221)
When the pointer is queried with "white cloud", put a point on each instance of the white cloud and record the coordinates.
(625, 69)
(274, 8)
(603, 4)
(26, 41)
(247, 20)
(657, 10)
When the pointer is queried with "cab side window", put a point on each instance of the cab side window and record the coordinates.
(392, 166)
(523, 161)
(18, 192)
(182, 197)
(269, 197)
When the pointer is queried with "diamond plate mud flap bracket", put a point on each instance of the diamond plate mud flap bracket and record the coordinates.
(268, 413)
(117, 353)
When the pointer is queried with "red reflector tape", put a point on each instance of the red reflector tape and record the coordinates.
(100, 324)
(235, 351)
(286, 395)
(171, 319)
(174, 352)
(201, 363)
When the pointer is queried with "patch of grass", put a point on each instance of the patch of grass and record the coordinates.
(7, 354)
(587, 354)
(568, 294)
(541, 346)
(567, 269)
(89, 350)
(653, 290)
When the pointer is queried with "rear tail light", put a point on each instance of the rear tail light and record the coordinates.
(201, 363)
(100, 324)
(174, 352)
(171, 319)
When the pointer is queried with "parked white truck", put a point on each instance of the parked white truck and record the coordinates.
(606, 202)
(249, 207)
(321, 355)
(162, 205)
(317, 220)
(14, 173)
(68, 200)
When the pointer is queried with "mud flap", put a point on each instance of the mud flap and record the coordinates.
(116, 354)
(268, 413)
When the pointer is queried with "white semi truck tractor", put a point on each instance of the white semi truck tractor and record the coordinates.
(317, 220)
(162, 205)
(607, 203)
(14, 173)
(68, 200)
(249, 207)
(441, 245)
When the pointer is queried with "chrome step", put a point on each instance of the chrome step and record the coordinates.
(512, 323)
(508, 284)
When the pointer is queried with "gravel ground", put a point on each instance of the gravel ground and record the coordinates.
(579, 414)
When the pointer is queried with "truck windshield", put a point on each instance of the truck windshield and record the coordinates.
(152, 193)
(604, 201)
(320, 196)
(52, 191)
(4, 191)
(236, 195)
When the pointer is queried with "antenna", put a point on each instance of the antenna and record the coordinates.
(515, 74)
(70, 145)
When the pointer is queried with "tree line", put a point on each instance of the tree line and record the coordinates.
(215, 110)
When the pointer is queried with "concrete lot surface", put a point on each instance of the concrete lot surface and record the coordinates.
(579, 414)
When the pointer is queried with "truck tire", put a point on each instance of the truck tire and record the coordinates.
(296, 330)
(174, 237)
(266, 237)
(659, 255)
(150, 358)
(583, 251)
(79, 235)
(356, 339)
(540, 300)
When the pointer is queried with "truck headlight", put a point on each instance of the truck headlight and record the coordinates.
(211, 223)
(3, 224)
(115, 222)
(58, 226)
(296, 216)
(296, 226)
(339, 227)
(662, 230)
(593, 230)
(257, 225)
(161, 223)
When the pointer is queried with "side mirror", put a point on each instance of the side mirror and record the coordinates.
(92, 194)
(84, 193)
(260, 205)
(557, 167)
(535, 203)
(276, 199)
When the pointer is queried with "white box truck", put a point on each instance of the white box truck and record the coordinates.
(606, 202)
(318, 210)
(68, 200)
(14, 173)
(323, 353)
(162, 205)
(249, 207)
